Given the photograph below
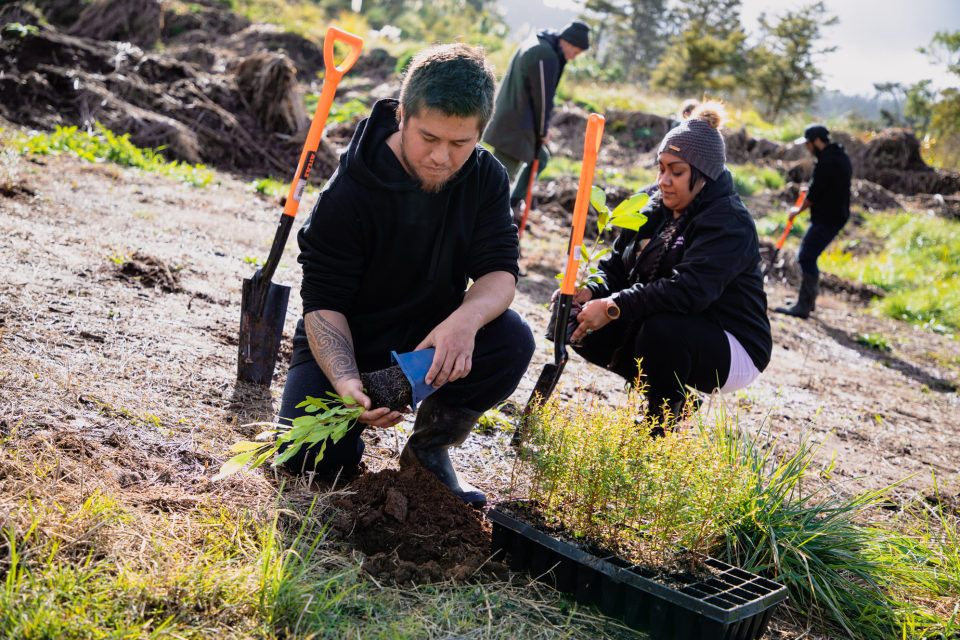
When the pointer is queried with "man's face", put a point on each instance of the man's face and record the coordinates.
(433, 146)
(569, 51)
(811, 148)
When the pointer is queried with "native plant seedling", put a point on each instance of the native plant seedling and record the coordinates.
(625, 215)
(327, 420)
(587, 466)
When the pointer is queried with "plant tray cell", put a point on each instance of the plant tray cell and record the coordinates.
(732, 604)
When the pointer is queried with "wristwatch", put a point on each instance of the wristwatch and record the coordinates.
(613, 311)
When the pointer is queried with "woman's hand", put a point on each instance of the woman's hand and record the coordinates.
(579, 298)
(592, 316)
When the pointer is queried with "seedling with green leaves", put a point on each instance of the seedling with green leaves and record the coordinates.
(625, 215)
(327, 420)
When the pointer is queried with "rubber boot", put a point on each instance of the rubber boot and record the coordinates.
(806, 300)
(436, 429)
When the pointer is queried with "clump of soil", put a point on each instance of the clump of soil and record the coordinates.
(388, 388)
(413, 529)
(151, 272)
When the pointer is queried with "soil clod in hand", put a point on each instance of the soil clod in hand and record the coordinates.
(388, 388)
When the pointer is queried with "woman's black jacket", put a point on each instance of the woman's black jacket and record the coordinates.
(711, 268)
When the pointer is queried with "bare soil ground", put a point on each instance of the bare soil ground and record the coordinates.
(119, 314)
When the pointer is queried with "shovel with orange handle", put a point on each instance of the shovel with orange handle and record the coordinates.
(786, 232)
(550, 375)
(263, 307)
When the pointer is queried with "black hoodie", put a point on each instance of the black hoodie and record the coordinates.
(712, 268)
(394, 259)
(829, 193)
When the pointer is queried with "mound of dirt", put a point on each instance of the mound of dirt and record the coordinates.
(239, 123)
(205, 20)
(892, 159)
(138, 22)
(150, 272)
(412, 529)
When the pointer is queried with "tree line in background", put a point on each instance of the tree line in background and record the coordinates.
(693, 48)
(701, 47)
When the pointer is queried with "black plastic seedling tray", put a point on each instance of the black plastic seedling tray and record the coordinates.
(732, 604)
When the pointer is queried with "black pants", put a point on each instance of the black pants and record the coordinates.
(675, 351)
(815, 240)
(501, 353)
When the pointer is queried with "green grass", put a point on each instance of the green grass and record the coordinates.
(867, 578)
(96, 568)
(748, 179)
(599, 97)
(917, 266)
(633, 178)
(340, 111)
(589, 466)
(875, 341)
(101, 145)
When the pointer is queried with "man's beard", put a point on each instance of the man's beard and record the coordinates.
(428, 187)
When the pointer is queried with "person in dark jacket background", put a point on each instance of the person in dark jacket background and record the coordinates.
(684, 294)
(828, 199)
(525, 103)
(415, 210)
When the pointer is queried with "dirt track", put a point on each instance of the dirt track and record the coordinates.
(136, 385)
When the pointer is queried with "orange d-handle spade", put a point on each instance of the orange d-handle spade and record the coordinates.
(797, 205)
(591, 146)
(331, 78)
(263, 304)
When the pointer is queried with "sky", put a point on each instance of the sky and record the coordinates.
(876, 40)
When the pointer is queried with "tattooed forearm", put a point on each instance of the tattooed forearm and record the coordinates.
(331, 347)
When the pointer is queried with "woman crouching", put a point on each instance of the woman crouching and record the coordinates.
(684, 294)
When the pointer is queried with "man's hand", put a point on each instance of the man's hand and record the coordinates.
(379, 416)
(592, 316)
(454, 340)
(794, 212)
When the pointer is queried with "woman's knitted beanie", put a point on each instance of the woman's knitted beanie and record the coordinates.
(698, 141)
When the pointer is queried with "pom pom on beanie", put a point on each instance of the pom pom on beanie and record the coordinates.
(698, 141)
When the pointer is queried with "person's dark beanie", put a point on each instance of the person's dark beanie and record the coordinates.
(577, 34)
(698, 141)
(816, 132)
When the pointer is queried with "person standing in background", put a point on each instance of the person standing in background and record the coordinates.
(829, 202)
(525, 102)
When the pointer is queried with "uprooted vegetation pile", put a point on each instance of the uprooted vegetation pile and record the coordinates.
(201, 103)
(229, 94)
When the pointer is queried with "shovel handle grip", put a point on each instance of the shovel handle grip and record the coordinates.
(331, 78)
(786, 231)
(591, 145)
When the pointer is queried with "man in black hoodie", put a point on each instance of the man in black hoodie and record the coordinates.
(829, 202)
(415, 210)
(525, 102)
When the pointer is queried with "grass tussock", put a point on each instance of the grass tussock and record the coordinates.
(716, 488)
(846, 565)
